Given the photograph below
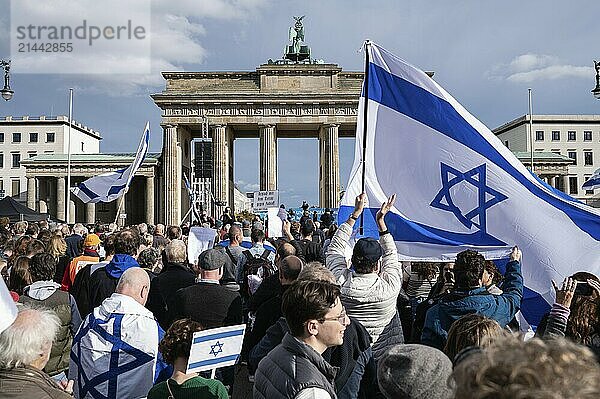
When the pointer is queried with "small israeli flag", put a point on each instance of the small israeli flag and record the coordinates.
(218, 347)
(593, 182)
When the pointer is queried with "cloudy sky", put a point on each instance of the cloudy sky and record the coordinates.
(486, 54)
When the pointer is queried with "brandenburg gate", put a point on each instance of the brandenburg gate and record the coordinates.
(280, 99)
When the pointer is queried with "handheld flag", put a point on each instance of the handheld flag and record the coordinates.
(8, 314)
(108, 187)
(458, 186)
(215, 348)
(593, 182)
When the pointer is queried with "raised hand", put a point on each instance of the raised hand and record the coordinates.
(359, 205)
(516, 254)
(564, 295)
(385, 207)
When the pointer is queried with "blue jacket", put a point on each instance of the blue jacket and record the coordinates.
(453, 306)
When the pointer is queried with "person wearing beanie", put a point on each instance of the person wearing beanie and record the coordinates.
(87, 254)
(371, 286)
(414, 371)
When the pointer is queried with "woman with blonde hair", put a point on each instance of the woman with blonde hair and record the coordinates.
(58, 249)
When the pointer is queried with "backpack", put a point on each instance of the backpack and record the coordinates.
(256, 269)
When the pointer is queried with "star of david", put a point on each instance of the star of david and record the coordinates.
(487, 196)
(216, 348)
(89, 385)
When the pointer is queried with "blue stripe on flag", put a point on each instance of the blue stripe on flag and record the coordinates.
(210, 362)
(424, 107)
(220, 335)
(87, 191)
(409, 231)
(116, 189)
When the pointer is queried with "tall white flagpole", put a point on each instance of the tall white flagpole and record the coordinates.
(531, 128)
(68, 190)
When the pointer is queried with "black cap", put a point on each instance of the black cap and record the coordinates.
(366, 250)
(212, 259)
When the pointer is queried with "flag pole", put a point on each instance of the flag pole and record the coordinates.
(68, 190)
(531, 129)
(364, 142)
(121, 201)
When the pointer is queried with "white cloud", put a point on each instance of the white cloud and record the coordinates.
(246, 187)
(530, 67)
(552, 72)
(176, 31)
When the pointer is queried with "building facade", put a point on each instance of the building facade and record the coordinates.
(46, 187)
(25, 137)
(572, 136)
(276, 100)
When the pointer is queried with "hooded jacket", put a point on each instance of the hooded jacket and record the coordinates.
(453, 306)
(103, 281)
(370, 298)
(48, 295)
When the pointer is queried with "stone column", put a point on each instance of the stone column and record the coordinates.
(329, 155)
(31, 192)
(220, 181)
(90, 213)
(268, 157)
(172, 175)
(565, 182)
(60, 198)
(72, 211)
(150, 199)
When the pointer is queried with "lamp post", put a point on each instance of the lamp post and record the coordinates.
(596, 91)
(6, 92)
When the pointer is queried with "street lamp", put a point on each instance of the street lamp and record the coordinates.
(6, 92)
(596, 91)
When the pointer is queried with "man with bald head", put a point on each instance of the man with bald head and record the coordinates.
(115, 353)
(233, 251)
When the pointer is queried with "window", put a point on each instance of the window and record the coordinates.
(31, 154)
(50, 137)
(555, 135)
(555, 151)
(33, 137)
(1, 137)
(587, 135)
(572, 184)
(571, 136)
(587, 158)
(16, 137)
(16, 188)
(82, 146)
(573, 155)
(16, 160)
(506, 143)
(539, 135)
(1, 160)
(586, 178)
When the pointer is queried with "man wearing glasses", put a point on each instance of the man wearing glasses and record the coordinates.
(295, 368)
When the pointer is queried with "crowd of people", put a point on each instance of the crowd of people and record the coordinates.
(108, 312)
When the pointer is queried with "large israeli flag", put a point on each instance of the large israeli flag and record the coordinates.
(215, 348)
(109, 186)
(458, 186)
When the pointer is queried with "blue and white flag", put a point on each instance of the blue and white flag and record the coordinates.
(593, 182)
(115, 352)
(458, 186)
(109, 186)
(215, 348)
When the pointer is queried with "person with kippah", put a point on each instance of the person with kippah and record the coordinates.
(369, 288)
